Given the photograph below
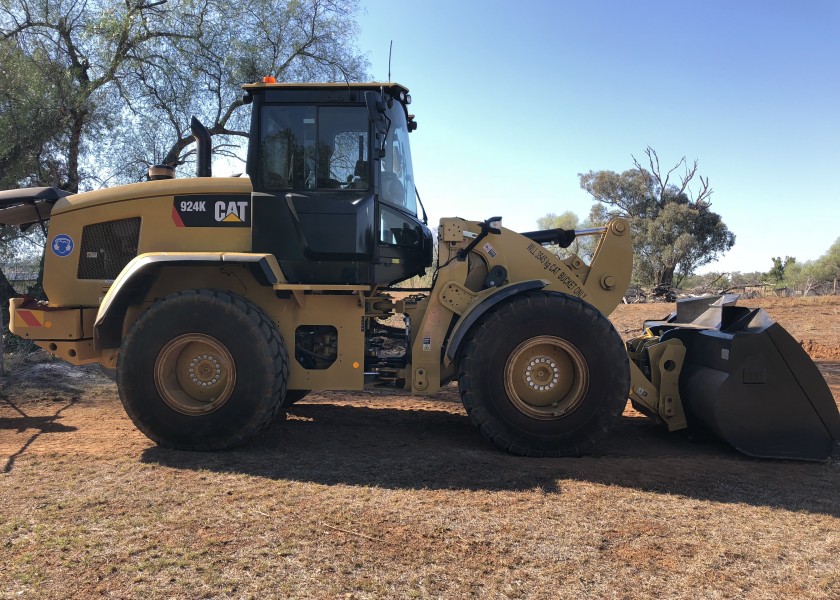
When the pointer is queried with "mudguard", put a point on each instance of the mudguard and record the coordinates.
(462, 327)
(140, 273)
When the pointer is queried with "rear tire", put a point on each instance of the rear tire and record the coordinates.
(202, 370)
(544, 374)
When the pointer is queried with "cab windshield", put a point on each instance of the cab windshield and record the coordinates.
(397, 175)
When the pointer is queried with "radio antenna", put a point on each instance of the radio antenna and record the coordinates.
(390, 48)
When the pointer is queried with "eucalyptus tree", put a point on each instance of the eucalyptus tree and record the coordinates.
(674, 229)
(133, 72)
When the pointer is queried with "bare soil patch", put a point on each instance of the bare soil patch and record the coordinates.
(379, 494)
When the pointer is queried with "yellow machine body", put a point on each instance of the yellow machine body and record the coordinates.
(219, 301)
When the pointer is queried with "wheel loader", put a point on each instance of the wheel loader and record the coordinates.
(219, 301)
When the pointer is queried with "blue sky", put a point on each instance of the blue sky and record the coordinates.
(514, 100)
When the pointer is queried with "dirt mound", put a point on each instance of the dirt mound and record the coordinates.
(816, 350)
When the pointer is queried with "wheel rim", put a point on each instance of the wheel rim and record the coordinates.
(546, 377)
(195, 374)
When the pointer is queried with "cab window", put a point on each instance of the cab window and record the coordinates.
(314, 148)
(397, 175)
(398, 229)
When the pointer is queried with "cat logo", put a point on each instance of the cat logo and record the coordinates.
(231, 212)
(212, 210)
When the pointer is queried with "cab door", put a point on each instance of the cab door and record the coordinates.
(314, 206)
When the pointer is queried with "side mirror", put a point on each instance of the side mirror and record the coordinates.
(376, 111)
(494, 225)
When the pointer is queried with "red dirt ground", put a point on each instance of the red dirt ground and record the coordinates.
(83, 397)
(378, 494)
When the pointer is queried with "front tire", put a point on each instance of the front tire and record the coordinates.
(544, 375)
(293, 396)
(202, 370)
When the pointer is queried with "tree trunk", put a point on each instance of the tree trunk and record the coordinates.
(666, 277)
(173, 157)
(7, 290)
(37, 291)
(74, 151)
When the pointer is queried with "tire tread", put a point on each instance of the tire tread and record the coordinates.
(259, 327)
(474, 353)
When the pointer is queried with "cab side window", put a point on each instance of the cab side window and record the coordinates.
(314, 148)
(287, 146)
(397, 229)
(343, 148)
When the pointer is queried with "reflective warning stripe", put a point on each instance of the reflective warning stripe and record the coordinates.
(28, 318)
(176, 218)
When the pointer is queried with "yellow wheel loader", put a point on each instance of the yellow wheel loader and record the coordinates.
(219, 301)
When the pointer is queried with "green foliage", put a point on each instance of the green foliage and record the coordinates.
(582, 246)
(741, 279)
(813, 276)
(801, 277)
(105, 89)
(674, 230)
(717, 282)
(713, 281)
(31, 116)
(828, 265)
(777, 272)
(567, 220)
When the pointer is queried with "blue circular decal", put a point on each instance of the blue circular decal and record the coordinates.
(62, 245)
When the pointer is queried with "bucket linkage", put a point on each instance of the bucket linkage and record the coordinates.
(735, 372)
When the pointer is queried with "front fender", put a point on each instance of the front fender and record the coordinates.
(475, 312)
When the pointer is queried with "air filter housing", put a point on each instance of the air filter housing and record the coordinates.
(158, 172)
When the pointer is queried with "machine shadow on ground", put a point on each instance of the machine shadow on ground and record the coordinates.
(438, 448)
(22, 422)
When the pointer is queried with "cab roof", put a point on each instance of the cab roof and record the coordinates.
(389, 86)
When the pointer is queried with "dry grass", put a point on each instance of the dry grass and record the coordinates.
(379, 495)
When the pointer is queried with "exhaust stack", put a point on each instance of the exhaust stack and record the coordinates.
(203, 147)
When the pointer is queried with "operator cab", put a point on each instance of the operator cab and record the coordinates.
(334, 197)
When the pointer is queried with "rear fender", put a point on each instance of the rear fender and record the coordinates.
(473, 313)
(138, 276)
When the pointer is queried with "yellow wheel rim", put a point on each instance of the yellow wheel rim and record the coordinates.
(546, 377)
(195, 374)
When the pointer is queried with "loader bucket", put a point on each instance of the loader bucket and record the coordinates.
(748, 381)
